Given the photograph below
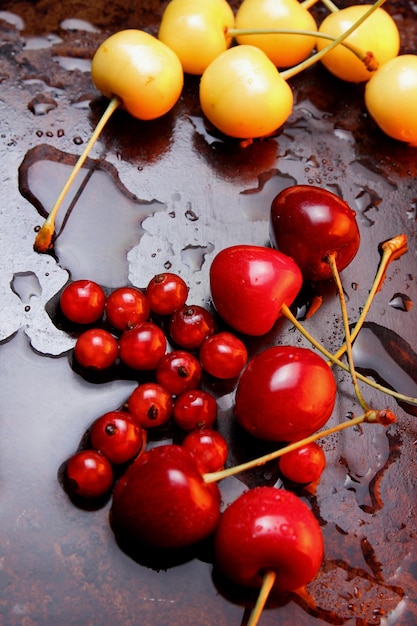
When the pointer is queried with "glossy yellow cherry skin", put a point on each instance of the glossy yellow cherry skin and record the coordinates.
(391, 98)
(284, 50)
(197, 31)
(243, 94)
(378, 34)
(140, 70)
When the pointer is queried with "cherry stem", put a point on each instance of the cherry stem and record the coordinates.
(44, 238)
(291, 318)
(236, 32)
(319, 55)
(331, 260)
(330, 6)
(391, 250)
(384, 417)
(307, 4)
(267, 584)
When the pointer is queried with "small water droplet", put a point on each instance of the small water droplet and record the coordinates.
(78, 141)
(189, 213)
(401, 302)
(193, 256)
(26, 285)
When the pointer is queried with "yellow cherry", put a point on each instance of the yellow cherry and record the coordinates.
(377, 34)
(144, 73)
(391, 98)
(243, 94)
(197, 31)
(284, 50)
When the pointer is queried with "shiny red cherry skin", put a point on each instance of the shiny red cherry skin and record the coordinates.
(126, 307)
(117, 436)
(162, 500)
(208, 447)
(96, 349)
(190, 325)
(195, 408)
(249, 284)
(82, 301)
(166, 293)
(310, 223)
(150, 405)
(285, 393)
(304, 465)
(178, 371)
(223, 355)
(268, 529)
(142, 347)
(89, 474)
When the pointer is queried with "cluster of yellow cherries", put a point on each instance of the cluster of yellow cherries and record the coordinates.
(245, 61)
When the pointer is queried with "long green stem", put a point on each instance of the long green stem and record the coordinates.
(391, 250)
(372, 417)
(331, 259)
(319, 55)
(267, 584)
(330, 6)
(237, 32)
(394, 394)
(45, 235)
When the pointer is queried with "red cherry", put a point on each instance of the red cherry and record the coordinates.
(143, 346)
(223, 355)
(96, 349)
(195, 409)
(116, 435)
(285, 394)
(178, 371)
(82, 301)
(208, 447)
(150, 405)
(190, 325)
(249, 285)
(166, 293)
(89, 474)
(304, 465)
(269, 529)
(310, 223)
(126, 307)
(163, 501)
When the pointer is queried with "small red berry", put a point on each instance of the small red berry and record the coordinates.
(208, 447)
(82, 301)
(117, 436)
(223, 355)
(96, 349)
(166, 293)
(150, 405)
(190, 325)
(89, 474)
(142, 347)
(304, 465)
(195, 409)
(126, 307)
(178, 371)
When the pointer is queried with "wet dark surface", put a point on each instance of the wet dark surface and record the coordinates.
(168, 195)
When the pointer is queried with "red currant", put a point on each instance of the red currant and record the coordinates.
(83, 301)
(190, 325)
(208, 447)
(304, 465)
(89, 474)
(166, 293)
(150, 405)
(178, 371)
(117, 436)
(195, 409)
(96, 348)
(126, 307)
(142, 347)
(223, 355)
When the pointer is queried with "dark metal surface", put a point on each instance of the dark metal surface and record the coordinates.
(166, 194)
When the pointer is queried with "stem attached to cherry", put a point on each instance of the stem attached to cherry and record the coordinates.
(319, 55)
(267, 584)
(44, 238)
(384, 417)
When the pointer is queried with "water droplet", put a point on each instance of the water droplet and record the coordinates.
(78, 141)
(70, 63)
(401, 302)
(26, 285)
(78, 24)
(189, 213)
(193, 256)
(256, 201)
